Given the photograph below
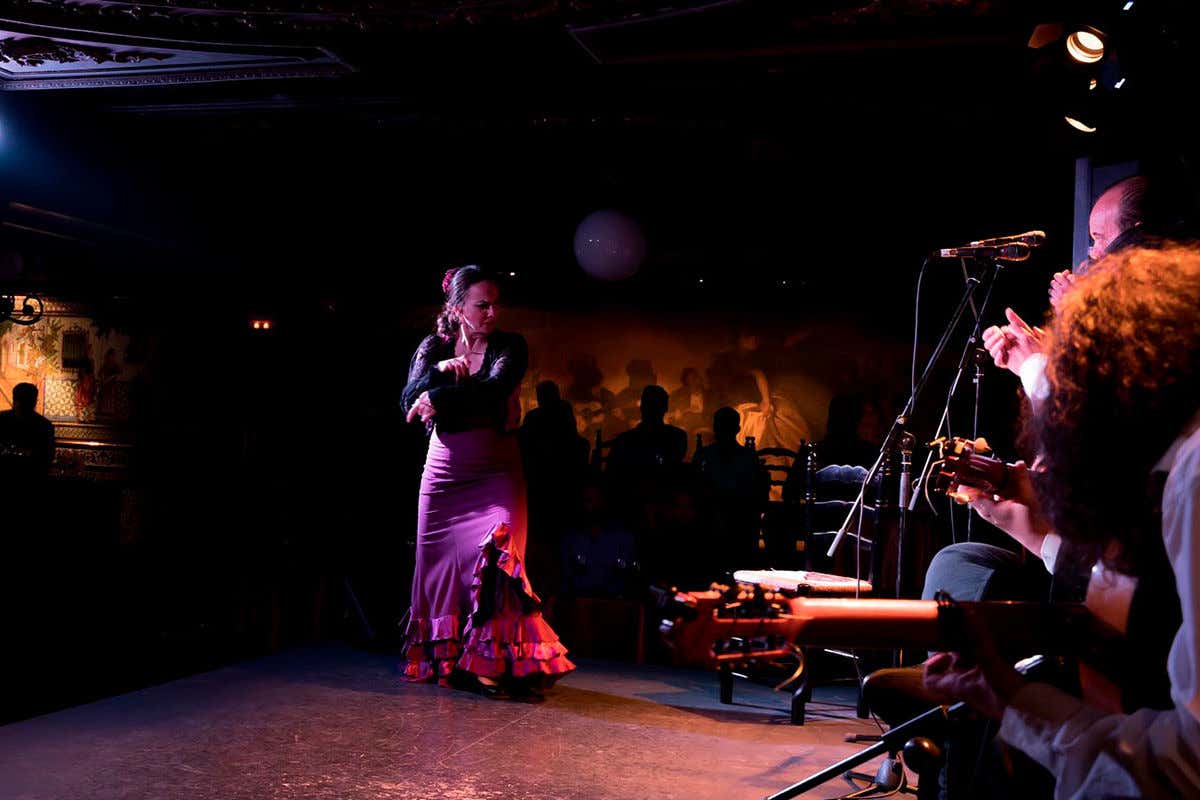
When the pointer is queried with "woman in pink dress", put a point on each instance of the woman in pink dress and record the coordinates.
(473, 607)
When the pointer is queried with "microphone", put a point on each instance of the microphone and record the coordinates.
(1017, 251)
(1031, 238)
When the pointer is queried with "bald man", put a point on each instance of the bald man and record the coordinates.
(1118, 220)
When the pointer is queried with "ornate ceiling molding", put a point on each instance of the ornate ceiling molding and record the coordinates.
(43, 57)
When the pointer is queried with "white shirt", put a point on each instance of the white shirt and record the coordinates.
(1033, 380)
(1150, 753)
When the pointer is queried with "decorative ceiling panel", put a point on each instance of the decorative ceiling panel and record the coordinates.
(42, 57)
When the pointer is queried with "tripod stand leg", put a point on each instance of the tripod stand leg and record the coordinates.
(931, 723)
(725, 683)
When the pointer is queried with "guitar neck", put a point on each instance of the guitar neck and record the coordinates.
(886, 624)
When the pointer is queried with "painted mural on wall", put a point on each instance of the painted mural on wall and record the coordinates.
(84, 378)
(81, 373)
(778, 374)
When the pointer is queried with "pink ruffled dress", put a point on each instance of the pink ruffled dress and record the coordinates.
(473, 606)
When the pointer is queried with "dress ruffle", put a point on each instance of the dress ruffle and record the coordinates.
(518, 647)
(506, 634)
(433, 647)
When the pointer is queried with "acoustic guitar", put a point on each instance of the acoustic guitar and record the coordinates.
(761, 617)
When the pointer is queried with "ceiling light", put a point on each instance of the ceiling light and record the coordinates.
(1085, 46)
(1078, 125)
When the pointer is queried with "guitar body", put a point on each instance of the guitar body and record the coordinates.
(706, 629)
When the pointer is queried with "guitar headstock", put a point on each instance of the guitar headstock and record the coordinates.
(966, 463)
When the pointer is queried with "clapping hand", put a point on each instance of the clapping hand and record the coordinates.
(1059, 284)
(1011, 344)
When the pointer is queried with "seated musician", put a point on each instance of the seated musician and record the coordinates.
(1122, 394)
(1132, 212)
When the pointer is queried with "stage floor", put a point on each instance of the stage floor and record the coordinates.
(338, 723)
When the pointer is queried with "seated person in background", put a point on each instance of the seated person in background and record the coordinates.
(540, 421)
(652, 444)
(555, 457)
(725, 467)
(26, 438)
(734, 487)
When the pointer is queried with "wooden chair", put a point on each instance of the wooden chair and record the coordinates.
(798, 529)
(781, 542)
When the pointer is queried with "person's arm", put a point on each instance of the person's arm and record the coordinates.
(1018, 514)
(422, 372)
(1150, 753)
(1012, 345)
(488, 391)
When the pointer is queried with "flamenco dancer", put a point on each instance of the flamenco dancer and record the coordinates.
(474, 612)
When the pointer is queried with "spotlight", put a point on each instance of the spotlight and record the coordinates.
(1086, 46)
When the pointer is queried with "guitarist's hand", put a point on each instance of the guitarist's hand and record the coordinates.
(987, 683)
(1018, 513)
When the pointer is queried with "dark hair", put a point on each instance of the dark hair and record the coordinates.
(25, 394)
(547, 393)
(1123, 363)
(455, 285)
(726, 419)
(654, 402)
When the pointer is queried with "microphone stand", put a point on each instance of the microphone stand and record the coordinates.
(933, 724)
(900, 425)
(980, 359)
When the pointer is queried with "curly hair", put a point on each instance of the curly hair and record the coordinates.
(455, 285)
(1123, 363)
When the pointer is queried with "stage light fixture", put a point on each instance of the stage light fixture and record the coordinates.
(1078, 124)
(1086, 46)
